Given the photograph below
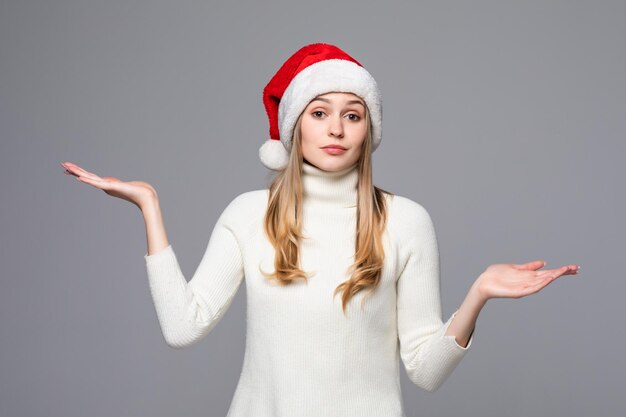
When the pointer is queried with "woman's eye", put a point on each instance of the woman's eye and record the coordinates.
(352, 116)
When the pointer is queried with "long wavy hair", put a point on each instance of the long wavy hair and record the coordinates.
(283, 221)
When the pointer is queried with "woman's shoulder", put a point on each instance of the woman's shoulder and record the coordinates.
(407, 216)
(249, 197)
(246, 205)
(404, 207)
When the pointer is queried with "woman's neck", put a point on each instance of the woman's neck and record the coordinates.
(330, 188)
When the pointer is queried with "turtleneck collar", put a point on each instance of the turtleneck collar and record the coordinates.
(330, 188)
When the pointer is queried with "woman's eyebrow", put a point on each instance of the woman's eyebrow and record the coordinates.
(349, 102)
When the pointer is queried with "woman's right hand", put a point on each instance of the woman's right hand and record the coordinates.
(137, 192)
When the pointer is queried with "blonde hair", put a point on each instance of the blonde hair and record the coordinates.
(283, 221)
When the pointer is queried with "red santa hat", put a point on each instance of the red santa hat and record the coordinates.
(313, 70)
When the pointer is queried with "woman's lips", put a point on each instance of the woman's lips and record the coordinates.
(331, 150)
(334, 150)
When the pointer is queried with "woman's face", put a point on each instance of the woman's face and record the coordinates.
(333, 119)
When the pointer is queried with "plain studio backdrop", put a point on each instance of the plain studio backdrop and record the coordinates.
(506, 120)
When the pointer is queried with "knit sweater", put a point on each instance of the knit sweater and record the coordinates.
(303, 356)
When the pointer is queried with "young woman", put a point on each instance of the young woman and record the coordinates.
(342, 277)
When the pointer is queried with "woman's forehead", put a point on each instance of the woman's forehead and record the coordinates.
(338, 96)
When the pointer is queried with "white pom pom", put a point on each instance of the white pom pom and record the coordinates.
(273, 154)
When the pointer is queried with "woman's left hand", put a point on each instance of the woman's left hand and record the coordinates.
(516, 281)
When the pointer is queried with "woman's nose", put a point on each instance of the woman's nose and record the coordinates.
(336, 128)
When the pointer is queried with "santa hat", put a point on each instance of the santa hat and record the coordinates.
(313, 70)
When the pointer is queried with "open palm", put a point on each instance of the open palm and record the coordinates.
(516, 281)
(136, 192)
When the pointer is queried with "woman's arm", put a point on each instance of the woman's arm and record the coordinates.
(462, 327)
(155, 228)
(187, 311)
(428, 351)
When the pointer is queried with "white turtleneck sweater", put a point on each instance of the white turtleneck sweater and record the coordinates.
(303, 357)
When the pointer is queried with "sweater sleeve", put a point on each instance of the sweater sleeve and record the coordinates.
(428, 355)
(188, 311)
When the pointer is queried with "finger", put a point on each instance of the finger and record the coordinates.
(547, 277)
(533, 265)
(98, 183)
(571, 270)
(84, 173)
(86, 179)
(542, 274)
(67, 168)
(564, 270)
(71, 171)
(69, 165)
(81, 170)
(556, 270)
(531, 289)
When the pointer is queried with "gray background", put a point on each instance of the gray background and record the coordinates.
(506, 120)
